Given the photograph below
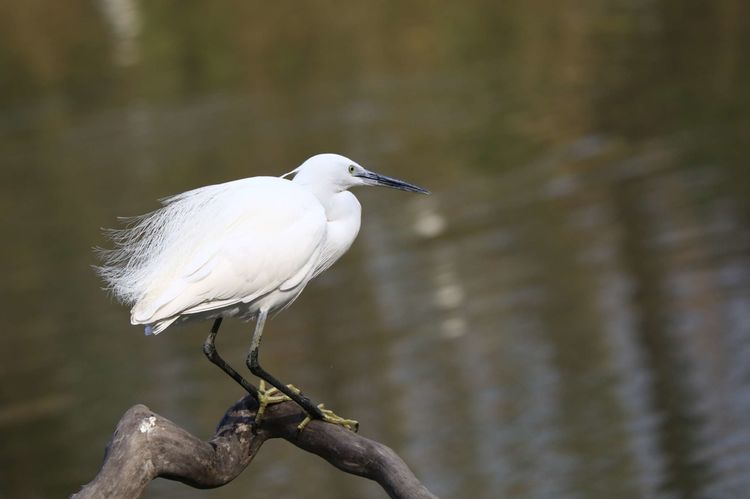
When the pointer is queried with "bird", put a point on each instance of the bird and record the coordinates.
(241, 249)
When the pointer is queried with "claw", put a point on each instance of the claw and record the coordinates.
(268, 397)
(330, 417)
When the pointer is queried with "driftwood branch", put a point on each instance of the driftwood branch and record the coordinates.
(146, 445)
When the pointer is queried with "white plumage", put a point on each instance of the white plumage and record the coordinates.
(240, 249)
(233, 249)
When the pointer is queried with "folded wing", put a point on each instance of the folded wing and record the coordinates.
(265, 235)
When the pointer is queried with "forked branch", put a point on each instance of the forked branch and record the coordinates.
(146, 445)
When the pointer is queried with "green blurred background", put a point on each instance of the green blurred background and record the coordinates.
(567, 316)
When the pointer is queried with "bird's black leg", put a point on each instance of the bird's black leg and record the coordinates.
(255, 368)
(209, 348)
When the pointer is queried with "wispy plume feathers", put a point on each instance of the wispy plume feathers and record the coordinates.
(151, 244)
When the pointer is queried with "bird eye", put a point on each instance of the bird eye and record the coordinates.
(351, 169)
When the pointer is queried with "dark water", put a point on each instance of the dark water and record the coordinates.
(567, 316)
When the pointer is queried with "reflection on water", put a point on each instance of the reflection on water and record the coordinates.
(566, 316)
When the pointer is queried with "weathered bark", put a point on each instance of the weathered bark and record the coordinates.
(146, 445)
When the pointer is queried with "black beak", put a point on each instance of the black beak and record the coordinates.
(373, 178)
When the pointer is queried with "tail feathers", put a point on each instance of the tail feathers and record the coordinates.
(158, 327)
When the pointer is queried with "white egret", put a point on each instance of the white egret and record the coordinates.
(240, 249)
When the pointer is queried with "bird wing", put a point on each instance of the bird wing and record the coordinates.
(272, 241)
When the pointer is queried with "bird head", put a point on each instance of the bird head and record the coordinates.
(341, 173)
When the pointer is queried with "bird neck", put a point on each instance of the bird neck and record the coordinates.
(337, 201)
(343, 212)
(339, 205)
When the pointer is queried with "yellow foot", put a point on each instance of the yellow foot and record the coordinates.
(268, 397)
(330, 417)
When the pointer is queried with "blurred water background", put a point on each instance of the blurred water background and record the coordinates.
(567, 316)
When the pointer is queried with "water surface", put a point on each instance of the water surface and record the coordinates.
(568, 315)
